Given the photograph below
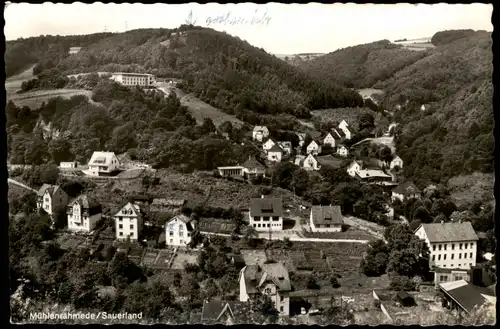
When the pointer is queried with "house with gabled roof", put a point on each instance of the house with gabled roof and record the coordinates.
(269, 279)
(225, 312)
(314, 148)
(178, 230)
(344, 126)
(259, 133)
(405, 191)
(396, 162)
(309, 163)
(302, 138)
(268, 144)
(252, 167)
(367, 170)
(329, 140)
(83, 214)
(103, 164)
(129, 221)
(275, 153)
(451, 245)
(266, 214)
(51, 198)
(326, 219)
(286, 146)
(342, 150)
(466, 297)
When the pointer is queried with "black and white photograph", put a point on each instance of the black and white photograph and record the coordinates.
(283, 164)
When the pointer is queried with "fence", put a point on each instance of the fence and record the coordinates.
(382, 307)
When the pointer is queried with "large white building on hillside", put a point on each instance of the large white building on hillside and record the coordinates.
(103, 163)
(128, 221)
(178, 231)
(133, 79)
(83, 214)
(326, 219)
(266, 214)
(451, 245)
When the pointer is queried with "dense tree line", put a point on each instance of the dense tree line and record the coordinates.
(444, 37)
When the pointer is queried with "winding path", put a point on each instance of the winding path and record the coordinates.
(11, 181)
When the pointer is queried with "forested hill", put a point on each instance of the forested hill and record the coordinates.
(222, 70)
(362, 66)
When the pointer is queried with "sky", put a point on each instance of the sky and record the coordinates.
(277, 28)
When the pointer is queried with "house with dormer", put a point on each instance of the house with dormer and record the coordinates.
(270, 279)
(103, 164)
(129, 221)
(83, 214)
(326, 219)
(396, 162)
(342, 150)
(286, 146)
(309, 163)
(178, 230)
(313, 148)
(266, 214)
(259, 133)
(275, 153)
(51, 198)
(405, 191)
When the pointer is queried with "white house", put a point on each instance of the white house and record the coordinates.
(405, 191)
(103, 163)
(268, 279)
(266, 214)
(329, 140)
(275, 154)
(396, 162)
(344, 126)
(313, 148)
(51, 198)
(178, 231)
(133, 79)
(252, 167)
(68, 165)
(259, 133)
(451, 245)
(302, 138)
(129, 221)
(326, 219)
(83, 214)
(286, 146)
(367, 171)
(354, 168)
(74, 50)
(342, 150)
(267, 145)
(309, 163)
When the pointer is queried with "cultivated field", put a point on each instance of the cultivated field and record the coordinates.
(13, 83)
(182, 257)
(34, 99)
(352, 234)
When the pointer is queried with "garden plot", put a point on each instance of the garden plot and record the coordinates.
(149, 257)
(183, 257)
(253, 257)
(163, 259)
(282, 256)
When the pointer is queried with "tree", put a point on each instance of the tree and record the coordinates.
(366, 121)
(312, 283)
(334, 282)
(122, 267)
(60, 150)
(263, 305)
(385, 154)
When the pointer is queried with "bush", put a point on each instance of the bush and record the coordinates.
(402, 283)
(16, 172)
(376, 303)
(312, 283)
(335, 282)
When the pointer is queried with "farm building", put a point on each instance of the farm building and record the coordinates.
(465, 297)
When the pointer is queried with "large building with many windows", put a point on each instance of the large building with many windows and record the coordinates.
(129, 221)
(178, 231)
(451, 245)
(134, 79)
(266, 214)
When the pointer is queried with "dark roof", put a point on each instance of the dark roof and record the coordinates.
(403, 295)
(47, 187)
(266, 207)
(168, 202)
(256, 275)
(326, 215)
(465, 294)
(275, 148)
(450, 232)
(215, 310)
(87, 202)
(252, 163)
(183, 218)
(238, 258)
(406, 188)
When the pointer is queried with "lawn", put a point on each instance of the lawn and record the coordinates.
(331, 161)
(215, 225)
(182, 257)
(34, 99)
(149, 256)
(163, 259)
(351, 234)
(131, 173)
(466, 189)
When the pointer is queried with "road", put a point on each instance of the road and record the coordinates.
(10, 180)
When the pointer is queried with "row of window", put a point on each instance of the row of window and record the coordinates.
(452, 256)
(172, 241)
(131, 226)
(445, 278)
(266, 218)
(458, 265)
(181, 233)
(131, 234)
(465, 246)
(266, 225)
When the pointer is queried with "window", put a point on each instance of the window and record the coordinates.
(439, 257)
(466, 245)
(452, 265)
(46, 199)
(265, 218)
(131, 226)
(444, 257)
(452, 256)
(131, 234)
(282, 298)
(121, 233)
(171, 240)
(327, 225)
(434, 248)
(254, 225)
(443, 278)
(281, 309)
(470, 255)
(460, 246)
(182, 241)
(470, 264)
(171, 233)
(465, 255)
(471, 245)
(444, 265)
(267, 291)
(276, 218)
(258, 225)
(181, 233)
(433, 257)
(460, 256)
(256, 218)
(452, 246)
(120, 225)
(444, 247)
(439, 247)
(189, 234)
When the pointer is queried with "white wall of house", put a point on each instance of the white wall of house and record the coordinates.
(344, 127)
(342, 151)
(127, 224)
(77, 222)
(268, 144)
(353, 169)
(243, 288)
(397, 196)
(176, 233)
(313, 148)
(329, 140)
(310, 163)
(450, 254)
(396, 163)
(67, 165)
(274, 156)
(265, 223)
